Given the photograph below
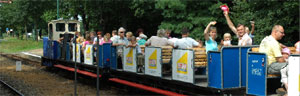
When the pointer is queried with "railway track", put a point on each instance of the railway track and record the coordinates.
(8, 90)
(27, 61)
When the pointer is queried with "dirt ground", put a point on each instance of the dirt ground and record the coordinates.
(33, 81)
(36, 52)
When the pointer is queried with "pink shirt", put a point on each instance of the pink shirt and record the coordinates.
(102, 41)
(85, 43)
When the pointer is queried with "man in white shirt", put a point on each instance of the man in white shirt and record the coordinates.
(186, 41)
(244, 38)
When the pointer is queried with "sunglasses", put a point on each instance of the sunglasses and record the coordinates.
(281, 32)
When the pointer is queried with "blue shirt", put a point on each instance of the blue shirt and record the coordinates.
(211, 45)
(142, 42)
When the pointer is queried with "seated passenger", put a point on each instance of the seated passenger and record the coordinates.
(168, 34)
(92, 35)
(87, 41)
(285, 53)
(128, 35)
(159, 40)
(105, 39)
(271, 47)
(186, 42)
(133, 43)
(227, 40)
(284, 72)
(114, 35)
(244, 38)
(99, 36)
(140, 55)
(142, 39)
(140, 32)
(79, 38)
(210, 35)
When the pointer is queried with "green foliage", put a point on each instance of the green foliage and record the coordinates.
(151, 15)
(49, 15)
(266, 14)
(192, 14)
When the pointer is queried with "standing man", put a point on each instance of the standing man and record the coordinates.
(272, 48)
(244, 38)
(120, 42)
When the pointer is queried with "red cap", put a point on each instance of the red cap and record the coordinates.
(99, 33)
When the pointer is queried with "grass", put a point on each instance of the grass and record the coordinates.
(14, 45)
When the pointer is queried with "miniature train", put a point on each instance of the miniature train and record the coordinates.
(234, 70)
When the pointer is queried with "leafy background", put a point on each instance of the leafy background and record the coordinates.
(26, 15)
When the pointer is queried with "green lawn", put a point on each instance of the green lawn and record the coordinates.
(14, 45)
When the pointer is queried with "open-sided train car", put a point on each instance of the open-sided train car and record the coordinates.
(230, 71)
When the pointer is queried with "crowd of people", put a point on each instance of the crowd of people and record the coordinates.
(277, 53)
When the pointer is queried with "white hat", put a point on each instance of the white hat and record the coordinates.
(143, 36)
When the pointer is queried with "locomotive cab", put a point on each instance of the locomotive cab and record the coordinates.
(57, 28)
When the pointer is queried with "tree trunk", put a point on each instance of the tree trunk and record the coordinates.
(35, 33)
(84, 22)
(26, 31)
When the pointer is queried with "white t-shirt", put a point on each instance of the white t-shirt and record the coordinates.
(114, 37)
(228, 42)
(173, 40)
(245, 40)
(95, 40)
(186, 42)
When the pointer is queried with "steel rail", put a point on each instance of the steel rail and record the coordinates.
(11, 88)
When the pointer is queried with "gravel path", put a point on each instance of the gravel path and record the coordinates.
(38, 82)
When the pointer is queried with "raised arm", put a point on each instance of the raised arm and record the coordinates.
(206, 33)
(229, 22)
(252, 29)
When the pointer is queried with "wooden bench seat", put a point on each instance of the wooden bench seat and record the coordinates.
(273, 75)
(200, 57)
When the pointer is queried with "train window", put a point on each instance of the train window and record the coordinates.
(72, 27)
(50, 30)
(60, 27)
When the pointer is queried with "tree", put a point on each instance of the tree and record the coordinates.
(266, 14)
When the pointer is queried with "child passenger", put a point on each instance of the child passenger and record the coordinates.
(105, 39)
(227, 39)
(140, 56)
(284, 72)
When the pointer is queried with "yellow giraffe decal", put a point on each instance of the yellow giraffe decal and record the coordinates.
(182, 64)
(129, 57)
(152, 60)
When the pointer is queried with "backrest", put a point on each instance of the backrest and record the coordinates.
(256, 74)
